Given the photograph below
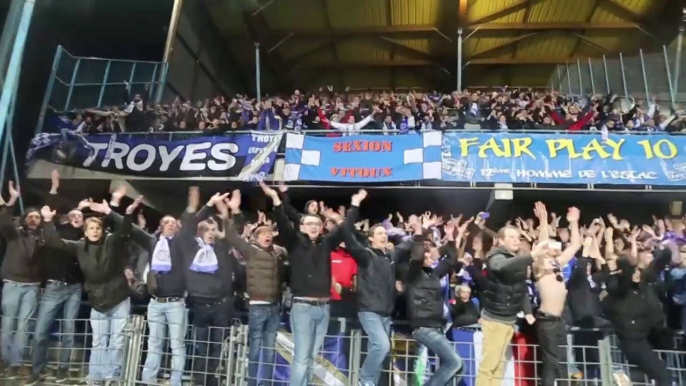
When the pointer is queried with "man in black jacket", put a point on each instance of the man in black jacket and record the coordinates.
(310, 262)
(375, 288)
(166, 285)
(505, 295)
(62, 291)
(102, 262)
(425, 304)
(21, 277)
(209, 268)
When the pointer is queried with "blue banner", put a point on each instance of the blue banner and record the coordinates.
(245, 157)
(363, 158)
(565, 158)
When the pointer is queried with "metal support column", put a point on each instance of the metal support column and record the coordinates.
(71, 84)
(459, 59)
(8, 32)
(12, 78)
(559, 79)
(48, 89)
(258, 80)
(590, 73)
(169, 46)
(621, 67)
(569, 80)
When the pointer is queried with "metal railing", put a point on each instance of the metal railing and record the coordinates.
(643, 75)
(78, 83)
(220, 356)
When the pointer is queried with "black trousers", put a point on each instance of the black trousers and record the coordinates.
(552, 343)
(640, 353)
(211, 319)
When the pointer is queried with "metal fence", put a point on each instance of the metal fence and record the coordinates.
(644, 75)
(219, 356)
(78, 83)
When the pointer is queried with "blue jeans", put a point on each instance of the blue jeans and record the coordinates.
(19, 304)
(309, 324)
(56, 296)
(108, 341)
(263, 323)
(378, 330)
(160, 315)
(451, 364)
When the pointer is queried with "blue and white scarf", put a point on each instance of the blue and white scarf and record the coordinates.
(205, 260)
(161, 256)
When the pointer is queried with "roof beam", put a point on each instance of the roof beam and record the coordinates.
(258, 30)
(625, 13)
(422, 55)
(375, 31)
(503, 45)
(505, 11)
(554, 26)
(418, 62)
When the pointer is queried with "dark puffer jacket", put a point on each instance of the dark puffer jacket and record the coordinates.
(102, 263)
(22, 259)
(506, 292)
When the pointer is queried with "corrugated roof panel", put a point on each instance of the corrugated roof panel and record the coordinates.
(361, 50)
(227, 16)
(326, 55)
(290, 50)
(613, 42)
(603, 14)
(296, 14)
(482, 43)
(640, 7)
(561, 10)
(414, 12)
(531, 75)
(478, 9)
(356, 13)
(367, 78)
(552, 44)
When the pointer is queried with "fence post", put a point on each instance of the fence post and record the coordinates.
(643, 71)
(590, 73)
(621, 65)
(559, 79)
(607, 78)
(355, 354)
(672, 97)
(132, 348)
(605, 361)
(578, 70)
(569, 80)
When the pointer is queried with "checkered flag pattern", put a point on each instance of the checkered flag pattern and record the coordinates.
(430, 141)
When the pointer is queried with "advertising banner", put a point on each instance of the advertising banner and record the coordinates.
(564, 158)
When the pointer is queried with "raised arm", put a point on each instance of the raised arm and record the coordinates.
(287, 232)
(358, 251)
(574, 240)
(139, 235)
(52, 239)
(234, 239)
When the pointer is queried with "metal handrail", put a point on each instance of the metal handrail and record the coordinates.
(315, 133)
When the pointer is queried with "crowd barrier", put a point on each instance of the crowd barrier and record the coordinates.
(219, 356)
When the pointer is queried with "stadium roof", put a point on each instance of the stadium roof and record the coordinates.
(413, 43)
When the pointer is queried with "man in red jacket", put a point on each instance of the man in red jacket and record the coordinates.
(343, 272)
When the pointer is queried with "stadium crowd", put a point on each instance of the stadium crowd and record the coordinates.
(544, 273)
(386, 112)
